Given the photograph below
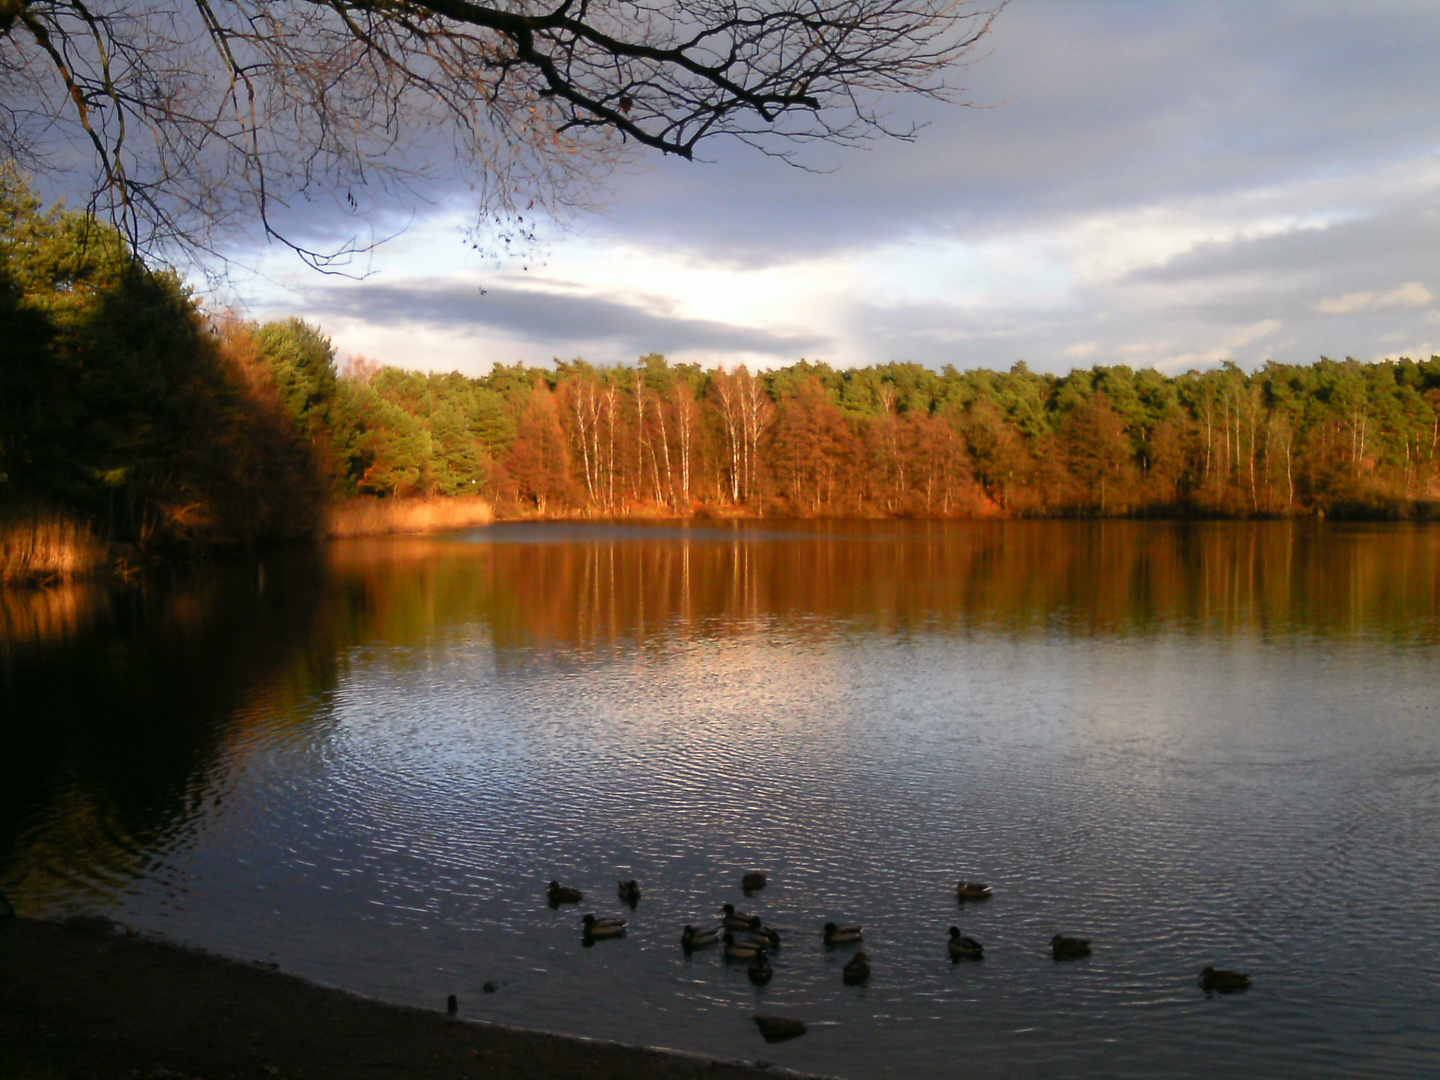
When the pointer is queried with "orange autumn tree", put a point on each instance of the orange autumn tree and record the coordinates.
(539, 464)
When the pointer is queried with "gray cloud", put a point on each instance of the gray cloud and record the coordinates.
(552, 321)
(1091, 333)
(1362, 253)
(1082, 107)
(1085, 107)
(1088, 109)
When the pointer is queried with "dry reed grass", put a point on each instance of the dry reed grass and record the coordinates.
(39, 544)
(381, 517)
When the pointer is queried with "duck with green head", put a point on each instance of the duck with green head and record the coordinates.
(964, 948)
(692, 938)
(764, 935)
(562, 894)
(602, 928)
(741, 950)
(735, 920)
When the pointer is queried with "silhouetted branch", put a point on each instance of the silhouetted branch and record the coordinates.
(189, 122)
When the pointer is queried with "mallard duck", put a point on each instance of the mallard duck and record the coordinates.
(560, 894)
(1069, 948)
(735, 920)
(857, 970)
(691, 938)
(740, 950)
(964, 948)
(972, 890)
(1224, 981)
(752, 882)
(602, 928)
(764, 935)
(630, 892)
(760, 969)
(841, 935)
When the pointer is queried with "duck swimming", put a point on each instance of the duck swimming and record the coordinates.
(764, 935)
(736, 920)
(964, 948)
(691, 938)
(1069, 948)
(741, 950)
(760, 970)
(602, 928)
(752, 882)
(841, 935)
(1224, 981)
(857, 970)
(560, 894)
(630, 892)
(972, 890)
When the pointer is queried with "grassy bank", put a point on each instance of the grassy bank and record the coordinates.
(78, 1000)
(385, 517)
(40, 545)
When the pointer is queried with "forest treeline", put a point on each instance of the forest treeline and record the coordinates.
(123, 403)
(807, 440)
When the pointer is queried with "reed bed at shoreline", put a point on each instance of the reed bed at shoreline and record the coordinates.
(382, 517)
(41, 544)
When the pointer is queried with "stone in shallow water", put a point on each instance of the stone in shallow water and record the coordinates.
(779, 1028)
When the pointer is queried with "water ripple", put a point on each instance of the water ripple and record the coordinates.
(397, 840)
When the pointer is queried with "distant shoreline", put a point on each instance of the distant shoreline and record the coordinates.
(54, 546)
(77, 999)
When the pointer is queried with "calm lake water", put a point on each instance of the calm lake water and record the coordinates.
(1194, 744)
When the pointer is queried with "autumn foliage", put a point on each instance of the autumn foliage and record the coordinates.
(148, 428)
(901, 440)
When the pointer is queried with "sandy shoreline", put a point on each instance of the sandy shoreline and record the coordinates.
(78, 1001)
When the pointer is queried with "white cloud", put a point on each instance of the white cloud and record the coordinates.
(1420, 350)
(1242, 336)
(1407, 297)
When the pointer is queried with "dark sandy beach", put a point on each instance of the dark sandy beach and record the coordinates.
(81, 1001)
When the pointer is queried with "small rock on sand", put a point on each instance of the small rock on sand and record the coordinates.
(779, 1028)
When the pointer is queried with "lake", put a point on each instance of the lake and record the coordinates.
(1192, 743)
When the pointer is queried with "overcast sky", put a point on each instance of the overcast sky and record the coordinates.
(1153, 184)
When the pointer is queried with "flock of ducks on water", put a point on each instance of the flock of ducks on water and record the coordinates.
(759, 941)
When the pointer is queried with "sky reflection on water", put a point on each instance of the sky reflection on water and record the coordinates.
(1223, 747)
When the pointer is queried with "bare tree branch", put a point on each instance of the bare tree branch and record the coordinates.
(190, 122)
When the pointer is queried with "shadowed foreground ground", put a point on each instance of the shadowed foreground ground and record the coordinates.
(77, 1001)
